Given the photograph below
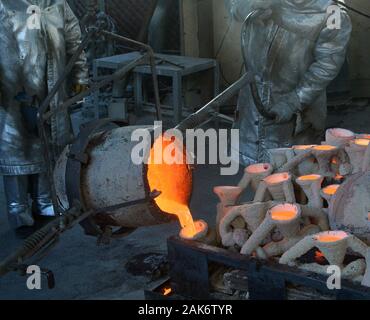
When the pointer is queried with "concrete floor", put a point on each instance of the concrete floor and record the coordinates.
(85, 271)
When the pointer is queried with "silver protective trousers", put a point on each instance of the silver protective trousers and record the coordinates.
(19, 190)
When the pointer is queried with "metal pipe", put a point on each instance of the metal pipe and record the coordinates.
(203, 114)
(96, 86)
(152, 66)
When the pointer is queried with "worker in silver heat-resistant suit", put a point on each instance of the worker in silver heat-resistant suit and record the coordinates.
(37, 38)
(295, 52)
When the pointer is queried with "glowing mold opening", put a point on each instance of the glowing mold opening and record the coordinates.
(284, 212)
(277, 178)
(331, 190)
(331, 236)
(311, 177)
(258, 168)
(362, 142)
(325, 148)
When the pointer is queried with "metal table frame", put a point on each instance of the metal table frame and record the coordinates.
(175, 67)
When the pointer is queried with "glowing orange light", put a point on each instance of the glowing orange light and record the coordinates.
(277, 178)
(338, 177)
(284, 212)
(174, 183)
(258, 168)
(331, 190)
(362, 142)
(167, 291)
(324, 148)
(283, 215)
(311, 177)
(303, 147)
(331, 237)
(319, 257)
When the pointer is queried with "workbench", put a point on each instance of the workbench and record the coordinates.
(174, 67)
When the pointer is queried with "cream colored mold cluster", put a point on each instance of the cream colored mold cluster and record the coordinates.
(291, 199)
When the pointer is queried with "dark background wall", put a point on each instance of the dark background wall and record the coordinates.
(130, 16)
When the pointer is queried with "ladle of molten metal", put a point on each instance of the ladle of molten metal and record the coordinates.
(174, 198)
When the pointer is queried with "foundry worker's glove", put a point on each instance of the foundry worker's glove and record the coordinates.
(286, 107)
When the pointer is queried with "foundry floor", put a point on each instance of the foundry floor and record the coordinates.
(85, 271)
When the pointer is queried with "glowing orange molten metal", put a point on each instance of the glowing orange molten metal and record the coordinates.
(319, 256)
(277, 178)
(284, 212)
(283, 215)
(324, 148)
(362, 142)
(258, 168)
(330, 237)
(173, 180)
(311, 177)
(303, 147)
(167, 291)
(331, 190)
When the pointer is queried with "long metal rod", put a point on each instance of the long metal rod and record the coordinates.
(40, 238)
(44, 106)
(152, 66)
(41, 122)
(204, 113)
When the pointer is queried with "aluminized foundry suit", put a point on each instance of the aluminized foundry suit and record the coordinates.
(32, 58)
(294, 56)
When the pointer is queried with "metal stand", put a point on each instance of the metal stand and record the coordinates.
(190, 275)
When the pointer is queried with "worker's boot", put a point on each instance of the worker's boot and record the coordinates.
(42, 205)
(19, 212)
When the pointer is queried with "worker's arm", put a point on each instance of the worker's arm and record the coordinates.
(73, 38)
(330, 54)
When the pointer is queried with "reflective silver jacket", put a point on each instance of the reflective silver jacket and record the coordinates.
(294, 51)
(31, 61)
